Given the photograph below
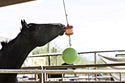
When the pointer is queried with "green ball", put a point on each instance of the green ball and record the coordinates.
(69, 55)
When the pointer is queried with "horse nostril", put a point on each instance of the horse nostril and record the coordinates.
(63, 26)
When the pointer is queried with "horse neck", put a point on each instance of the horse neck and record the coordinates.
(17, 51)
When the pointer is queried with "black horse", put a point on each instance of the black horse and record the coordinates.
(13, 53)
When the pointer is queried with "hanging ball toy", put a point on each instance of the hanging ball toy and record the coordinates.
(69, 55)
(69, 30)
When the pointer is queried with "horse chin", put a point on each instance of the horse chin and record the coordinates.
(62, 33)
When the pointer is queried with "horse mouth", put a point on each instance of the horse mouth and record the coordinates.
(62, 32)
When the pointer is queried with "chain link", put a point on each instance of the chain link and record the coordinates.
(70, 41)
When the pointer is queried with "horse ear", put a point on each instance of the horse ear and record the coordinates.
(24, 24)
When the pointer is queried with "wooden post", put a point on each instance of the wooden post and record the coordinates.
(42, 76)
(48, 56)
(56, 60)
(120, 76)
(48, 60)
(36, 76)
(95, 62)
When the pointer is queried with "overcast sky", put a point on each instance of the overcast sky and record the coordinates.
(98, 24)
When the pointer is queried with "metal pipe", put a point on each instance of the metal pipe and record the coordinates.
(56, 54)
(29, 71)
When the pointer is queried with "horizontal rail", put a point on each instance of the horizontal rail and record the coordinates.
(102, 51)
(83, 82)
(33, 67)
(83, 66)
(43, 55)
(56, 54)
(22, 71)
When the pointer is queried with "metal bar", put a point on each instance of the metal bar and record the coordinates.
(83, 66)
(56, 54)
(44, 55)
(33, 67)
(83, 82)
(102, 51)
(22, 71)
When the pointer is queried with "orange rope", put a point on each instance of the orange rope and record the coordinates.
(66, 15)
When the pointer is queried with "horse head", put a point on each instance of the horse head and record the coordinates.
(40, 34)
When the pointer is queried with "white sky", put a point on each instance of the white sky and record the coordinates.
(98, 24)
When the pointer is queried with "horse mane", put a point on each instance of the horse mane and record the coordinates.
(6, 43)
(3, 43)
